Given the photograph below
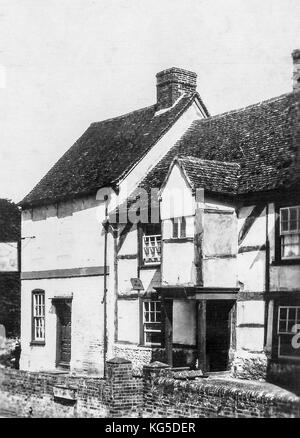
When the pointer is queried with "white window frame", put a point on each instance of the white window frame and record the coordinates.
(38, 316)
(286, 332)
(180, 233)
(289, 232)
(152, 249)
(156, 320)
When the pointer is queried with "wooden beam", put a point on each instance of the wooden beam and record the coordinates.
(232, 323)
(249, 221)
(201, 335)
(89, 271)
(198, 242)
(127, 257)
(167, 329)
(216, 296)
(270, 324)
(141, 319)
(116, 287)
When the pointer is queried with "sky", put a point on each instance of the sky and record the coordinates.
(67, 63)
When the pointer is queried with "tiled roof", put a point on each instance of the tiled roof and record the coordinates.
(261, 138)
(216, 176)
(104, 153)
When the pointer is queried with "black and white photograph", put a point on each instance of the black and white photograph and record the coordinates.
(149, 211)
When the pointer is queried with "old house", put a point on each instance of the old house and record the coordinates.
(69, 290)
(198, 263)
(10, 234)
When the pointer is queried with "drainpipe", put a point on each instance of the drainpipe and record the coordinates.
(105, 288)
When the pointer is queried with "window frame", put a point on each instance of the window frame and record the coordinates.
(282, 300)
(142, 232)
(289, 232)
(38, 340)
(278, 259)
(177, 223)
(159, 323)
(280, 333)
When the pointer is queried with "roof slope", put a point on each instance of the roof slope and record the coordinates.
(104, 153)
(260, 138)
(216, 176)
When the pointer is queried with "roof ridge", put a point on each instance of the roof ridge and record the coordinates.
(190, 99)
(182, 156)
(245, 108)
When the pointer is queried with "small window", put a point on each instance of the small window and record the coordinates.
(152, 322)
(38, 316)
(288, 331)
(151, 245)
(290, 232)
(179, 227)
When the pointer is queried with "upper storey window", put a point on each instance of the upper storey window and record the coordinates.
(179, 227)
(151, 244)
(290, 232)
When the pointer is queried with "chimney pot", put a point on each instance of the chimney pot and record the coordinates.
(296, 72)
(172, 83)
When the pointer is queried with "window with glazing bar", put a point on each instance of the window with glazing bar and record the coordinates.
(179, 227)
(151, 244)
(38, 316)
(152, 322)
(290, 232)
(288, 331)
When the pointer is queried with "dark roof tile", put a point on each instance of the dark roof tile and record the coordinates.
(216, 176)
(104, 153)
(260, 138)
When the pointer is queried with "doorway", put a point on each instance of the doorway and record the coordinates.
(64, 313)
(218, 334)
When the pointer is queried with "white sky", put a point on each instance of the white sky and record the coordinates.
(67, 63)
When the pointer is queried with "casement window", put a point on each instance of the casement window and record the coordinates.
(288, 332)
(152, 322)
(290, 232)
(38, 316)
(151, 244)
(178, 227)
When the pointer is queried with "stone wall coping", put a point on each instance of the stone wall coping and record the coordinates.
(118, 360)
(236, 388)
(156, 365)
(47, 374)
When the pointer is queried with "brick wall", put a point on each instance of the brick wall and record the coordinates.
(160, 393)
(124, 393)
(30, 394)
(165, 396)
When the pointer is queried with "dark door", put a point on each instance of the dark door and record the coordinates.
(217, 334)
(64, 333)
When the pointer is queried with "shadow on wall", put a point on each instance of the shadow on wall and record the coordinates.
(182, 356)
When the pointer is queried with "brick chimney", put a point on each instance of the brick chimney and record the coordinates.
(172, 83)
(296, 73)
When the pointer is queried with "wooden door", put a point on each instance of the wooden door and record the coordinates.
(64, 333)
